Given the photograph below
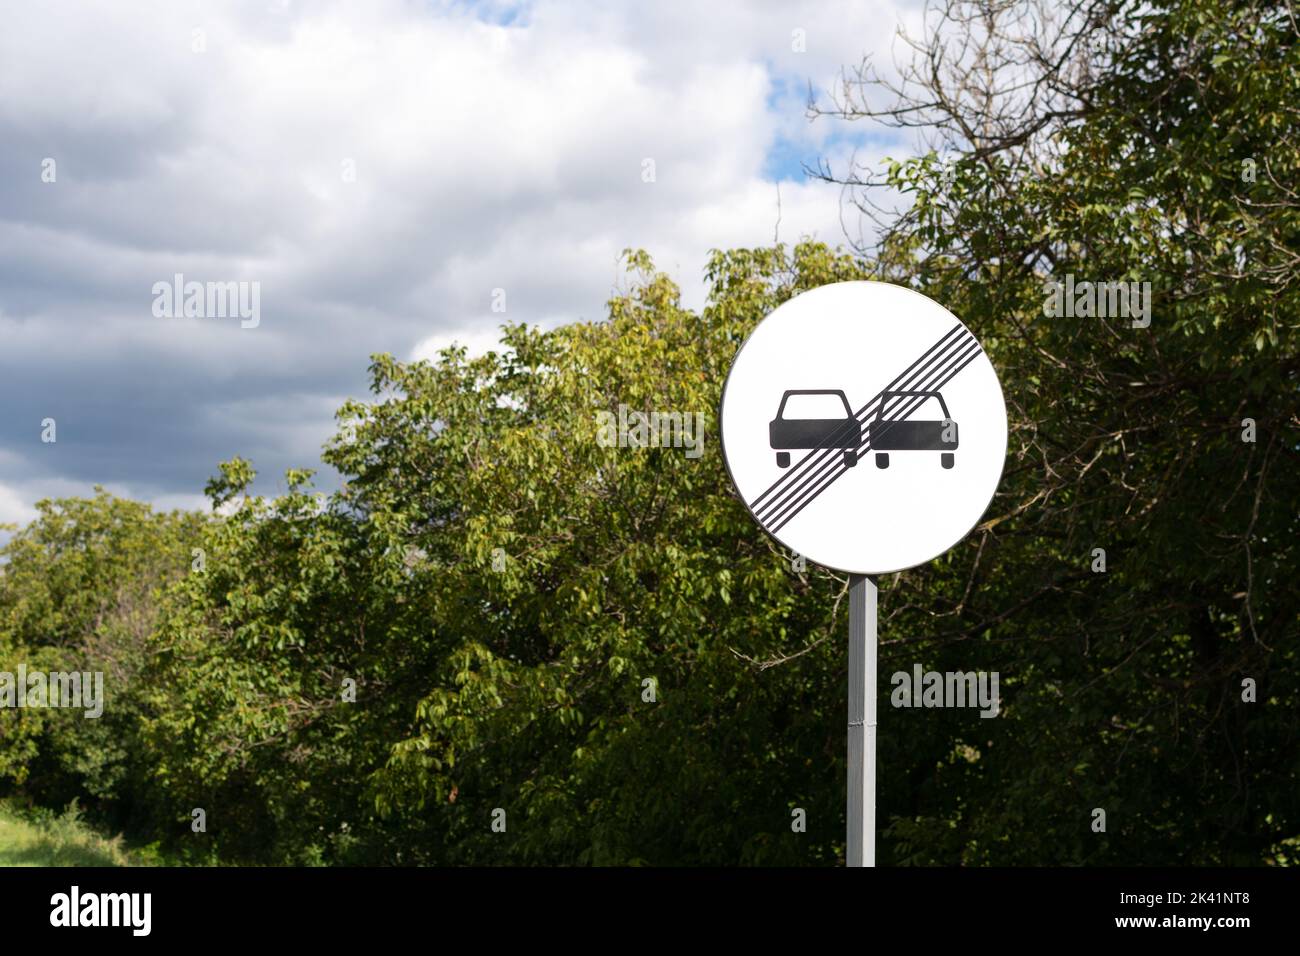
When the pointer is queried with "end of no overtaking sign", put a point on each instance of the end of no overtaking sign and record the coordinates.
(864, 427)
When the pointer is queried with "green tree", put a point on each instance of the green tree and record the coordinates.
(79, 591)
(1115, 141)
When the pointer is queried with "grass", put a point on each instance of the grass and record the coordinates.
(45, 838)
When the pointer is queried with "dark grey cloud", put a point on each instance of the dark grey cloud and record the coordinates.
(493, 147)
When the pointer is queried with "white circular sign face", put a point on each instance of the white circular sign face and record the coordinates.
(864, 427)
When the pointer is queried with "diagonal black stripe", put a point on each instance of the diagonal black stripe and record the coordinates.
(825, 451)
(794, 473)
(835, 476)
(828, 476)
(788, 483)
(816, 469)
(865, 445)
(957, 363)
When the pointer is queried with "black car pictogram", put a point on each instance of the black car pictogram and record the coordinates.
(786, 434)
(909, 435)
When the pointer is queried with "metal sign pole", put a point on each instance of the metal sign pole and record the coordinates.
(862, 721)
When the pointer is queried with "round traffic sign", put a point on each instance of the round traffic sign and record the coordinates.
(864, 427)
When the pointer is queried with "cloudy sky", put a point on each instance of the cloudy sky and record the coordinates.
(378, 168)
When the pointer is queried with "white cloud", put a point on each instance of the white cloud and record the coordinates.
(14, 508)
(485, 155)
(476, 342)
